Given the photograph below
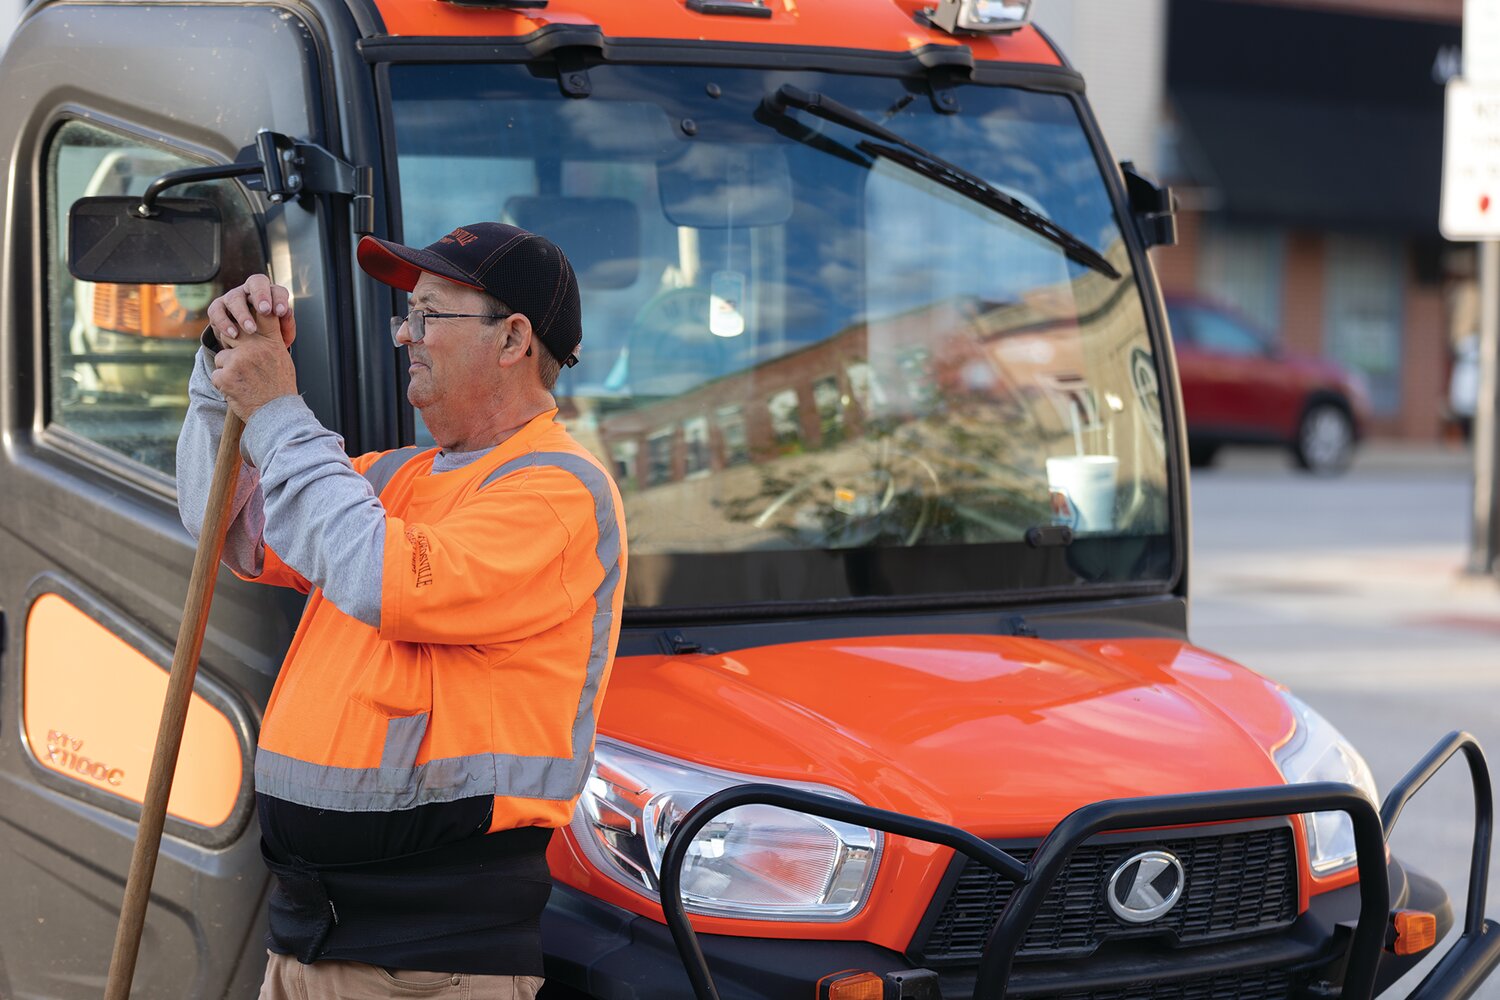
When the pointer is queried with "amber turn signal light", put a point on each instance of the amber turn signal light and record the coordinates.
(851, 984)
(1415, 931)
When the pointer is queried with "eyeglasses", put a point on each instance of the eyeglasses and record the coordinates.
(416, 322)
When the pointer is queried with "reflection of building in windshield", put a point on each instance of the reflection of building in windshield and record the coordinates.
(695, 446)
(786, 419)
(972, 396)
(731, 422)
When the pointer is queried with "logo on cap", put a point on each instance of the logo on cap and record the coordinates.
(460, 236)
(1146, 886)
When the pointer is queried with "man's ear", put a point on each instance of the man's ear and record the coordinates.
(518, 338)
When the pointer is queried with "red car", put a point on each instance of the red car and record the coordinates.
(1240, 387)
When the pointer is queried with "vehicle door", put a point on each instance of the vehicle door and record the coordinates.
(94, 561)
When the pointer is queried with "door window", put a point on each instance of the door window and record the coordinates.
(118, 355)
(1216, 332)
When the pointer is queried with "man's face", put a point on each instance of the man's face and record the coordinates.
(456, 361)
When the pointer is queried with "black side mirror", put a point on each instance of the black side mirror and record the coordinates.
(152, 240)
(110, 241)
(1153, 206)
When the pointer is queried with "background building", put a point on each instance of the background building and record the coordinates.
(1306, 142)
(1126, 81)
(1304, 138)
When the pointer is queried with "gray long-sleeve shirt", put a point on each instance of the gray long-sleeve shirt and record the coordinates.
(297, 492)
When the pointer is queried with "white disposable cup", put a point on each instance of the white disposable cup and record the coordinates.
(1088, 481)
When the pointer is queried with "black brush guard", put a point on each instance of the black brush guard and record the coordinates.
(1468, 962)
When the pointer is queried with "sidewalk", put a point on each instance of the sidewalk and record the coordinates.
(1373, 457)
(1342, 574)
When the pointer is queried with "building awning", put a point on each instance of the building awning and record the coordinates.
(1313, 163)
(1304, 116)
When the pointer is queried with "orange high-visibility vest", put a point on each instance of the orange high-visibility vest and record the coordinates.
(500, 608)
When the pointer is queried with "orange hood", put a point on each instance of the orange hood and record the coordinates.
(1002, 736)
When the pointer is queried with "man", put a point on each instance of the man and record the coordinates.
(434, 719)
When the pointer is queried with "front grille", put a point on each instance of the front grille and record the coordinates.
(1266, 985)
(1238, 883)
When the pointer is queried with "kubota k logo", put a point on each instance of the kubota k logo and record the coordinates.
(1146, 886)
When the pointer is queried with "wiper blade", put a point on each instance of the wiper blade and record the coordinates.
(971, 187)
(825, 107)
(951, 176)
(798, 132)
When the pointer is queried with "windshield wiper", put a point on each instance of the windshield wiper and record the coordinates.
(951, 176)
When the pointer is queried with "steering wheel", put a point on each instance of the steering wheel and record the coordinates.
(669, 349)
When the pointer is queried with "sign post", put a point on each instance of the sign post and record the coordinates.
(1484, 538)
(1471, 211)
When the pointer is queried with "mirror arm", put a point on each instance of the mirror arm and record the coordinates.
(147, 207)
(280, 167)
(1153, 206)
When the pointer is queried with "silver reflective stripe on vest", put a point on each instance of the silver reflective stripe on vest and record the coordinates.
(386, 466)
(399, 757)
(397, 784)
(608, 552)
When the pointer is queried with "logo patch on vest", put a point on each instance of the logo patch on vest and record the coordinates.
(421, 559)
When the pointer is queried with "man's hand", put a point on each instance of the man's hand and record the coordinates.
(253, 367)
(235, 312)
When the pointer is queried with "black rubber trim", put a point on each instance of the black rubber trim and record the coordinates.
(1089, 596)
(1154, 308)
(544, 41)
(1156, 617)
(389, 300)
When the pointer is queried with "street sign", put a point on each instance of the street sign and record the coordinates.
(1482, 41)
(1471, 162)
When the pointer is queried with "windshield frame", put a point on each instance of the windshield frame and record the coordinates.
(945, 70)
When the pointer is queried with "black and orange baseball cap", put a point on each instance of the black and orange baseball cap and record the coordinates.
(529, 273)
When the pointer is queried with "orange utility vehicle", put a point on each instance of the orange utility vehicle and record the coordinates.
(905, 704)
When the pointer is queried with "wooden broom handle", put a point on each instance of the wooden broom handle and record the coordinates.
(174, 711)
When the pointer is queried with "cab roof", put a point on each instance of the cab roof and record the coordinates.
(870, 25)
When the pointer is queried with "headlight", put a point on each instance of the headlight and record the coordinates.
(1317, 752)
(754, 861)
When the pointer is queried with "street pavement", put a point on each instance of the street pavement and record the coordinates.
(1352, 592)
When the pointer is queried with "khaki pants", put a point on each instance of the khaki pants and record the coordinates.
(289, 979)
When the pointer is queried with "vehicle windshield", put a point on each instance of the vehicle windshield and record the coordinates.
(819, 373)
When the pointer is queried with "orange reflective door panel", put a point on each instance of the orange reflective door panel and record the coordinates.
(92, 707)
